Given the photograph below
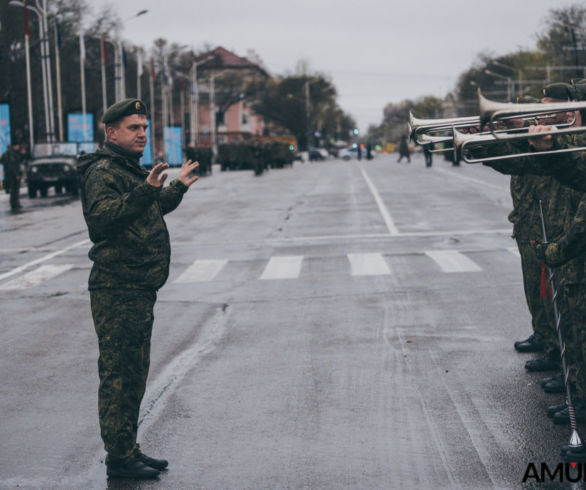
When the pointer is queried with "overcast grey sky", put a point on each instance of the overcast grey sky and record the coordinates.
(375, 51)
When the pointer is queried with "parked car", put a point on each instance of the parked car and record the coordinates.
(318, 154)
(59, 172)
(347, 153)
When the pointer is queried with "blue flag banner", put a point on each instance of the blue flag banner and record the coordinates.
(173, 145)
(147, 155)
(77, 131)
(58, 34)
(4, 127)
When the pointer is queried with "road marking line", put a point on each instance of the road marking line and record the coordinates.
(453, 261)
(30, 279)
(402, 234)
(21, 268)
(368, 264)
(381, 205)
(284, 267)
(201, 271)
(514, 251)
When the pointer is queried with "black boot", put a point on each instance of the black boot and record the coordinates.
(158, 464)
(556, 385)
(132, 469)
(551, 411)
(549, 362)
(544, 381)
(573, 454)
(531, 344)
(563, 416)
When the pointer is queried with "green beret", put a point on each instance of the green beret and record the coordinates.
(560, 90)
(123, 108)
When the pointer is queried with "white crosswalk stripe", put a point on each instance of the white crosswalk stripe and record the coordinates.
(278, 267)
(368, 264)
(453, 261)
(35, 277)
(201, 271)
(284, 267)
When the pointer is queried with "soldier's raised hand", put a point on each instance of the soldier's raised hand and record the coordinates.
(155, 178)
(186, 175)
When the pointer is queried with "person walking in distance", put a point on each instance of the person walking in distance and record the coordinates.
(11, 161)
(123, 206)
(404, 149)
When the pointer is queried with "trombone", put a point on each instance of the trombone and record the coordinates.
(421, 127)
(492, 112)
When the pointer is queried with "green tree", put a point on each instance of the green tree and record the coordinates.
(302, 104)
(565, 38)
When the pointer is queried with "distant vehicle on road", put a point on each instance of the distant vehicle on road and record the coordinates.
(317, 154)
(59, 172)
(350, 153)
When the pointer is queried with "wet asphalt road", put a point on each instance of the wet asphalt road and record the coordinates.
(359, 362)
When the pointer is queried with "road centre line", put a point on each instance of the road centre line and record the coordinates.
(23, 267)
(381, 205)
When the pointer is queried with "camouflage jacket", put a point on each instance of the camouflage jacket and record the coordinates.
(568, 168)
(11, 161)
(124, 215)
(571, 244)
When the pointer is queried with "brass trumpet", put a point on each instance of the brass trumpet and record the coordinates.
(418, 127)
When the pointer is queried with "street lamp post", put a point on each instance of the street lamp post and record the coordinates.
(121, 94)
(41, 13)
(44, 12)
(194, 102)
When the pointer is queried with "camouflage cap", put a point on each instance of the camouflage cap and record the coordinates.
(558, 90)
(123, 108)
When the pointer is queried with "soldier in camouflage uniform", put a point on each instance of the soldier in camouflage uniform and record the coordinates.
(566, 253)
(11, 161)
(123, 206)
(526, 226)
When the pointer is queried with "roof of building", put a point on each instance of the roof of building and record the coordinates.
(221, 58)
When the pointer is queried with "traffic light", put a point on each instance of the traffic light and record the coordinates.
(356, 131)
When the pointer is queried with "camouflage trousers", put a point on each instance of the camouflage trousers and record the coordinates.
(542, 318)
(573, 321)
(123, 319)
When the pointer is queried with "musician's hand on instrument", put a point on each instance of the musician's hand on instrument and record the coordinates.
(541, 142)
(539, 248)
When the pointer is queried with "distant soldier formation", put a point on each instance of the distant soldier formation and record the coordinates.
(540, 143)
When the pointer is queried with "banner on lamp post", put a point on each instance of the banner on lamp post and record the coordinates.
(147, 155)
(4, 128)
(79, 131)
(173, 145)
